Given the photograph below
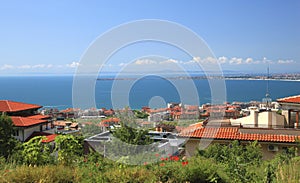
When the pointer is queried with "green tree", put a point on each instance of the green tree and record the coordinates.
(69, 148)
(7, 142)
(35, 152)
(236, 158)
(131, 135)
(140, 114)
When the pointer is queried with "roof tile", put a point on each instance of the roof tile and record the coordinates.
(11, 106)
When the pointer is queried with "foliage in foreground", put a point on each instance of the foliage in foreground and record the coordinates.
(94, 168)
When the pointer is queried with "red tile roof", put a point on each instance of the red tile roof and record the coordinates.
(113, 120)
(39, 116)
(24, 121)
(233, 133)
(49, 137)
(11, 106)
(69, 110)
(292, 99)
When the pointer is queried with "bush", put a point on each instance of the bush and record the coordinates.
(29, 174)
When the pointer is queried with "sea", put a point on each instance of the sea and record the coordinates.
(56, 91)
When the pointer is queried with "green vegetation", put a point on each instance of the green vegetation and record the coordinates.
(131, 135)
(8, 144)
(140, 114)
(35, 152)
(94, 168)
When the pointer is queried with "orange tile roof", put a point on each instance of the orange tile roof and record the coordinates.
(211, 132)
(292, 99)
(69, 110)
(49, 137)
(59, 123)
(114, 120)
(158, 110)
(24, 121)
(11, 106)
(233, 133)
(39, 116)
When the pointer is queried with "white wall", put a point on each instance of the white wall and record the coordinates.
(266, 119)
(29, 131)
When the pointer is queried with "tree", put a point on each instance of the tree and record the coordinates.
(35, 152)
(7, 142)
(236, 158)
(131, 135)
(140, 114)
(69, 148)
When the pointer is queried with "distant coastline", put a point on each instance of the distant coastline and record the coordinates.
(204, 77)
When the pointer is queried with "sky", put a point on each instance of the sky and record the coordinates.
(50, 37)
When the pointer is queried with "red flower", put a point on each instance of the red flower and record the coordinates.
(175, 158)
(166, 159)
(162, 159)
(162, 164)
(184, 163)
(157, 155)
(145, 163)
(85, 160)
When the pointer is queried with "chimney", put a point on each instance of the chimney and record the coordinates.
(254, 115)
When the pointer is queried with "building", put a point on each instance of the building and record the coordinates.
(26, 119)
(290, 109)
(271, 141)
(260, 119)
(220, 111)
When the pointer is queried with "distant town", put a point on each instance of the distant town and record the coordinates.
(279, 76)
(273, 124)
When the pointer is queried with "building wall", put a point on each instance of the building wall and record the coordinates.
(192, 145)
(267, 154)
(29, 131)
(266, 119)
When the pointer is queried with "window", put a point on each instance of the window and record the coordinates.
(16, 133)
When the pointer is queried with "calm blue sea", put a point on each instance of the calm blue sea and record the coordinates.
(56, 91)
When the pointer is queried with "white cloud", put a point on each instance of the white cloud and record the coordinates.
(207, 60)
(144, 62)
(25, 67)
(122, 64)
(6, 66)
(73, 64)
(39, 66)
(222, 60)
(236, 61)
(285, 61)
(267, 61)
(49, 66)
(169, 61)
(249, 60)
(196, 59)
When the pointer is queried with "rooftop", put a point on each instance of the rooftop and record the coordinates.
(11, 106)
(25, 121)
(234, 133)
(49, 137)
(291, 99)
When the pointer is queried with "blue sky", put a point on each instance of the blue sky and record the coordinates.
(50, 36)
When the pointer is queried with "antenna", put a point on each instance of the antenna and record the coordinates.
(268, 99)
(268, 76)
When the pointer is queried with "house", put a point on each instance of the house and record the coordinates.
(290, 109)
(26, 119)
(271, 141)
(107, 123)
(261, 119)
(218, 111)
